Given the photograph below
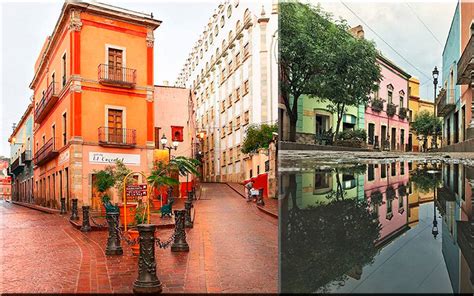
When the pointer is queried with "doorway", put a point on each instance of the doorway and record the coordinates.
(115, 64)
(115, 134)
(410, 142)
(371, 133)
(394, 138)
(456, 127)
(383, 136)
(322, 124)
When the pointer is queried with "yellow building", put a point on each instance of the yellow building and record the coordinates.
(416, 105)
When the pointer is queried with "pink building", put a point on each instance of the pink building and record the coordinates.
(385, 188)
(386, 119)
(173, 107)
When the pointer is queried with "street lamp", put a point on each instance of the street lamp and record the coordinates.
(174, 145)
(435, 83)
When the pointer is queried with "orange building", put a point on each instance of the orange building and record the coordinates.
(93, 99)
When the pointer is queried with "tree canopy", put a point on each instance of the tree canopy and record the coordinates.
(320, 58)
(426, 124)
(258, 136)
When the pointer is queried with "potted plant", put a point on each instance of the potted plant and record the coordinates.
(104, 180)
(140, 218)
(160, 177)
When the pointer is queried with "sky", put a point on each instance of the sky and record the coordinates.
(25, 25)
(402, 24)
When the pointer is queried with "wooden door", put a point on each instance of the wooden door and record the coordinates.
(115, 126)
(115, 64)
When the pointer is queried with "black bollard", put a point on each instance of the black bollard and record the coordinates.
(188, 223)
(63, 206)
(179, 244)
(260, 198)
(74, 214)
(147, 281)
(86, 226)
(190, 196)
(113, 241)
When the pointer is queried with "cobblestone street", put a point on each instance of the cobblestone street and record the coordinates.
(233, 248)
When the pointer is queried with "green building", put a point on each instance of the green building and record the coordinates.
(314, 118)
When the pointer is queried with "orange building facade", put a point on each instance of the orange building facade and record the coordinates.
(93, 100)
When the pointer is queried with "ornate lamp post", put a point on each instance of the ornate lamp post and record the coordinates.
(174, 145)
(434, 229)
(435, 83)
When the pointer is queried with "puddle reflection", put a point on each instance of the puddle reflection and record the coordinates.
(381, 227)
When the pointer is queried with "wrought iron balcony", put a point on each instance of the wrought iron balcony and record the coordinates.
(117, 76)
(50, 97)
(16, 166)
(26, 156)
(47, 152)
(445, 103)
(117, 137)
(466, 63)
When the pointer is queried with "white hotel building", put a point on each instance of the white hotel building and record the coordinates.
(232, 70)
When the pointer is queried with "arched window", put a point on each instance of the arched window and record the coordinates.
(222, 21)
(229, 11)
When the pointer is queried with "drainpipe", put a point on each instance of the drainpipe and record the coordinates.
(274, 36)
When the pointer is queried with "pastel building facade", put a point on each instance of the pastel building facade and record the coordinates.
(93, 100)
(415, 106)
(5, 179)
(388, 127)
(21, 156)
(232, 72)
(174, 119)
(314, 119)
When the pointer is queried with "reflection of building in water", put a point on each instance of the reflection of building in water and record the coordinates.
(386, 189)
(417, 193)
(314, 188)
(454, 200)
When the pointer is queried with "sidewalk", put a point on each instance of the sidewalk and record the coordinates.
(271, 204)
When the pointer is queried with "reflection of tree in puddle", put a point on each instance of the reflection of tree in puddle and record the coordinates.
(326, 242)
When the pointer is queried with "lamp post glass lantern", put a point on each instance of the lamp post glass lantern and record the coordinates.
(174, 145)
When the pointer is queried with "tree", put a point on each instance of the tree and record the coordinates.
(303, 51)
(319, 57)
(258, 136)
(426, 124)
(355, 73)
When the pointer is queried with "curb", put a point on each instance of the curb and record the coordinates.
(258, 207)
(36, 207)
(267, 212)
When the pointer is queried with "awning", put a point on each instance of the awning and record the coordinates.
(349, 119)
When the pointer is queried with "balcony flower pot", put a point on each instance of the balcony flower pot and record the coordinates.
(391, 109)
(402, 113)
(156, 204)
(376, 105)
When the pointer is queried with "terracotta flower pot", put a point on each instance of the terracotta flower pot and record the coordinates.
(156, 204)
(131, 209)
(134, 236)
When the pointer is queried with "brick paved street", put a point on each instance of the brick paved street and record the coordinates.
(233, 249)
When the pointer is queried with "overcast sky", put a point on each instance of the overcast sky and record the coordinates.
(402, 25)
(25, 25)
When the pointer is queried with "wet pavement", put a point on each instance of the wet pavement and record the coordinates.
(378, 227)
(232, 249)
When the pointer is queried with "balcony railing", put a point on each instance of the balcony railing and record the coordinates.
(117, 76)
(445, 103)
(47, 152)
(118, 137)
(47, 102)
(26, 156)
(466, 63)
(16, 166)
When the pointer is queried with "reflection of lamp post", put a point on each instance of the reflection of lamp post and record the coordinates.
(434, 229)
(174, 146)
